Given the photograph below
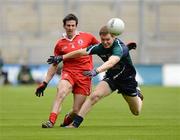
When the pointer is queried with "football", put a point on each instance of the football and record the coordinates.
(116, 26)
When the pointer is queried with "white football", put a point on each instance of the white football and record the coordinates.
(116, 26)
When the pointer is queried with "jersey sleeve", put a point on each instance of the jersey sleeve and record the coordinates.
(57, 49)
(93, 49)
(119, 50)
(94, 40)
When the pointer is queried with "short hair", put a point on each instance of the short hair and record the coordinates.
(70, 17)
(104, 31)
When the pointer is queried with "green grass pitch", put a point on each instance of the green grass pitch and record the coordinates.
(21, 115)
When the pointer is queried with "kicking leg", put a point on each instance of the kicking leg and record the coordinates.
(63, 90)
(101, 91)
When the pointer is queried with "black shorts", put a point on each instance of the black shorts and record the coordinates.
(124, 86)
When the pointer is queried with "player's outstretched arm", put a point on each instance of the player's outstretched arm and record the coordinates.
(105, 66)
(75, 54)
(113, 60)
(59, 58)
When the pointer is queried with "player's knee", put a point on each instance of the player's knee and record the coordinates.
(95, 98)
(135, 112)
(61, 94)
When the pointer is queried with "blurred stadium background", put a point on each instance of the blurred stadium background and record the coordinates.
(29, 30)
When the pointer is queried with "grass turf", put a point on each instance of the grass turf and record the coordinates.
(21, 115)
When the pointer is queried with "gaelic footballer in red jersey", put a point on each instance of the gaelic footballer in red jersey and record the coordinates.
(72, 79)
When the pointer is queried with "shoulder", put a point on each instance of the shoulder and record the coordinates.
(118, 42)
(59, 43)
(117, 48)
(60, 40)
(120, 48)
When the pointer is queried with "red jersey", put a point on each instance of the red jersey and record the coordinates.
(79, 41)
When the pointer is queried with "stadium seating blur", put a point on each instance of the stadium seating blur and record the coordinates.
(29, 29)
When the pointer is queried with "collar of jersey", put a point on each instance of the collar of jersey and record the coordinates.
(64, 35)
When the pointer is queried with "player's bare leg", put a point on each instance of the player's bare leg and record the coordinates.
(135, 103)
(64, 88)
(101, 91)
(78, 101)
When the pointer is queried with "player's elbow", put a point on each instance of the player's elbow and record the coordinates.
(136, 112)
(83, 52)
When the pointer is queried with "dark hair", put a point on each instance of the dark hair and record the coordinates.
(70, 17)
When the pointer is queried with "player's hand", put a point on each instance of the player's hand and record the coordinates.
(40, 89)
(55, 59)
(90, 73)
(132, 45)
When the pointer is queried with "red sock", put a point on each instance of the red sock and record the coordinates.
(67, 120)
(53, 117)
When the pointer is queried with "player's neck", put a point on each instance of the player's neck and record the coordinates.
(70, 36)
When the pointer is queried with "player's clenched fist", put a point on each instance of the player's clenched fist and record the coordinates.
(40, 89)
